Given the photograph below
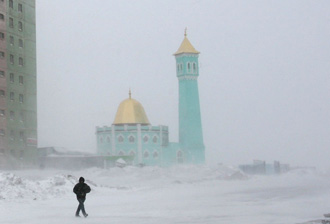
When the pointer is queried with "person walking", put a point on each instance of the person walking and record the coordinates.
(81, 189)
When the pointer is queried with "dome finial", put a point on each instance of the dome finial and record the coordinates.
(185, 32)
(129, 93)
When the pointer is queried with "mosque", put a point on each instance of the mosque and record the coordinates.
(132, 138)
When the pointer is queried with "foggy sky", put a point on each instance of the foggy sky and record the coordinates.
(264, 73)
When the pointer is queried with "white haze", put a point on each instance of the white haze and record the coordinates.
(264, 73)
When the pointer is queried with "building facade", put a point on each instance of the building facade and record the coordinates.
(133, 138)
(18, 81)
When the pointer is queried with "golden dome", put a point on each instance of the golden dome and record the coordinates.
(130, 111)
(186, 46)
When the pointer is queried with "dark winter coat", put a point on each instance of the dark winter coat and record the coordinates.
(81, 189)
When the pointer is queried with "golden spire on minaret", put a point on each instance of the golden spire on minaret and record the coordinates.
(186, 46)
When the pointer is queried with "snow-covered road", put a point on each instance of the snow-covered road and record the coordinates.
(162, 196)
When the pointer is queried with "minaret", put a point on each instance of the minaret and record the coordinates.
(190, 125)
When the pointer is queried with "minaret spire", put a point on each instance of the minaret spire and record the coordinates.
(129, 93)
(186, 46)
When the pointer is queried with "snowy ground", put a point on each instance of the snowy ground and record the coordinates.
(156, 195)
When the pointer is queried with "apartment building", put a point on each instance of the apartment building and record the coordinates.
(18, 83)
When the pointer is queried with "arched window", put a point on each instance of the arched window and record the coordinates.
(120, 138)
(101, 139)
(108, 139)
(146, 154)
(194, 67)
(131, 139)
(155, 154)
(178, 67)
(145, 139)
(155, 139)
(188, 67)
(121, 153)
(132, 153)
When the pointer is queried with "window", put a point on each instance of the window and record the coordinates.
(155, 154)
(12, 135)
(12, 115)
(21, 80)
(11, 4)
(21, 135)
(101, 139)
(2, 93)
(146, 154)
(20, 61)
(20, 7)
(188, 67)
(11, 59)
(2, 54)
(21, 98)
(12, 96)
(178, 66)
(2, 74)
(179, 157)
(12, 77)
(120, 139)
(11, 22)
(11, 40)
(145, 139)
(2, 132)
(2, 35)
(20, 26)
(108, 139)
(21, 116)
(154, 139)
(2, 17)
(20, 43)
(132, 153)
(131, 139)
(2, 113)
(194, 68)
(121, 153)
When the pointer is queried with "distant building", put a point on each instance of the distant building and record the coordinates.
(62, 158)
(261, 167)
(18, 91)
(132, 137)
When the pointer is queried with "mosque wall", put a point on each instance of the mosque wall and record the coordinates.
(126, 142)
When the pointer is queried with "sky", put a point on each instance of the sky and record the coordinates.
(264, 79)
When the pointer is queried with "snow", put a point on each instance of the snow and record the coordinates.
(182, 194)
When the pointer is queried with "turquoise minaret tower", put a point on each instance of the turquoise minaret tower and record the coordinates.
(190, 125)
